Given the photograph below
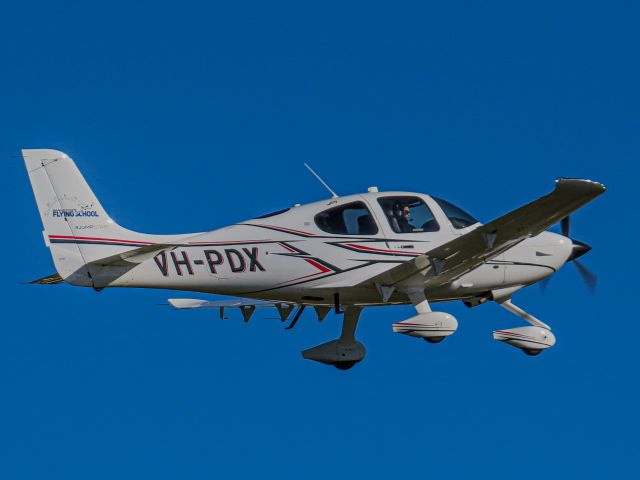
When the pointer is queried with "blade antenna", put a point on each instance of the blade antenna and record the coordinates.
(333, 194)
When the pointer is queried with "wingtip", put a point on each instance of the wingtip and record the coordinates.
(591, 185)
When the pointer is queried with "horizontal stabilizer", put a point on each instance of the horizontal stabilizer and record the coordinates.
(48, 280)
(133, 256)
(246, 305)
(182, 303)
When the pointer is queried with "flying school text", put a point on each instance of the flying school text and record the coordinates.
(236, 260)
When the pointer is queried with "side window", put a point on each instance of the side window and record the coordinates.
(350, 219)
(458, 217)
(408, 215)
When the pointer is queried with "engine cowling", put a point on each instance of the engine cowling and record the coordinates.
(531, 340)
(432, 326)
(338, 353)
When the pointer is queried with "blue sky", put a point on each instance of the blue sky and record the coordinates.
(189, 116)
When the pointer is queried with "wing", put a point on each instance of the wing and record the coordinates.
(453, 259)
(246, 305)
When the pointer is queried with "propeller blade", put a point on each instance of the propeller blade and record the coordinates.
(589, 278)
(565, 226)
(544, 284)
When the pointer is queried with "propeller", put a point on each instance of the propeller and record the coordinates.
(579, 248)
(565, 226)
(588, 277)
(544, 284)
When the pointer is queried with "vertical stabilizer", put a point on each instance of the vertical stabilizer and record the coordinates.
(67, 207)
(65, 200)
(77, 229)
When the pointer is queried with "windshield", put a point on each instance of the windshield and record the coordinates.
(457, 216)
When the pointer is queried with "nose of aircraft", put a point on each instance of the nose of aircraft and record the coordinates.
(579, 249)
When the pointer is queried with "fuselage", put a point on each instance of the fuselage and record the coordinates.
(308, 253)
(375, 248)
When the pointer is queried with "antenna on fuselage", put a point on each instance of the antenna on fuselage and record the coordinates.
(333, 194)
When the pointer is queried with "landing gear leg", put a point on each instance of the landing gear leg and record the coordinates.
(418, 299)
(349, 324)
(347, 344)
(527, 317)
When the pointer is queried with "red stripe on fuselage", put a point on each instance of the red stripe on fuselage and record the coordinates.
(228, 242)
(137, 242)
(319, 266)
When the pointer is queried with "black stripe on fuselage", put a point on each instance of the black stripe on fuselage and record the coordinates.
(524, 264)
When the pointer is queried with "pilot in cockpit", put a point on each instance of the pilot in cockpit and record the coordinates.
(405, 220)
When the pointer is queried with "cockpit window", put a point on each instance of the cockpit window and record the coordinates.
(458, 217)
(408, 215)
(349, 219)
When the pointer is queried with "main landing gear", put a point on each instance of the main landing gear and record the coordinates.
(344, 352)
(532, 340)
(433, 327)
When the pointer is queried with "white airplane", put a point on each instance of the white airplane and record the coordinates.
(344, 253)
